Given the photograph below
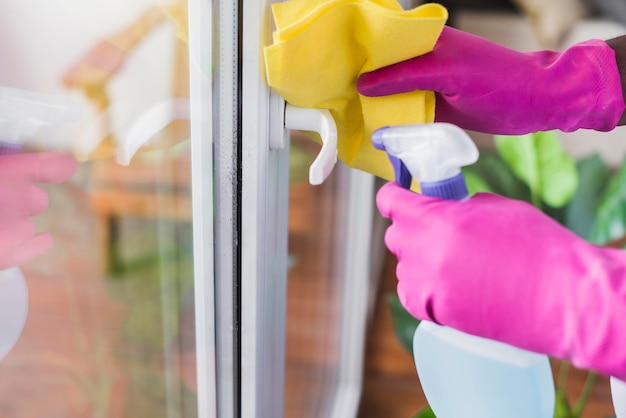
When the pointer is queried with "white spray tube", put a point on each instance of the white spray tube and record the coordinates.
(463, 376)
(22, 112)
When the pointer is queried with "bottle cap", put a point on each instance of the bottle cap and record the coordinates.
(453, 188)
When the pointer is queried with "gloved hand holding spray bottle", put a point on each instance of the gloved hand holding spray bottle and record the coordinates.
(462, 375)
(22, 113)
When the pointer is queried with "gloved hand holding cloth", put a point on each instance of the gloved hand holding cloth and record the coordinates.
(485, 87)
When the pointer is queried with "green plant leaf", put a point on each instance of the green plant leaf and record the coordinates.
(539, 161)
(582, 400)
(558, 214)
(475, 183)
(594, 177)
(497, 176)
(425, 413)
(403, 322)
(562, 408)
(610, 222)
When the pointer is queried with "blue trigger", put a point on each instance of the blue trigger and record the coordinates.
(402, 175)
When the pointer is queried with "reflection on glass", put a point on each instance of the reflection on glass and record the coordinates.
(314, 287)
(110, 329)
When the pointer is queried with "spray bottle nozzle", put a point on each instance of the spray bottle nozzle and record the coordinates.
(432, 154)
(402, 175)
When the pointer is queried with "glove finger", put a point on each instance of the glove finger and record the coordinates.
(19, 199)
(15, 233)
(384, 199)
(393, 201)
(391, 198)
(435, 71)
(20, 243)
(417, 283)
(403, 77)
(392, 241)
(29, 249)
(413, 299)
(48, 167)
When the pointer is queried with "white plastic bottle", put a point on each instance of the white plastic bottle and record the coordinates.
(13, 308)
(22, 112)
(463, 376)
(618, 392)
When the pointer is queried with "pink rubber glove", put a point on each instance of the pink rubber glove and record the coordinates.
(501, 269)
(21, 199)
(485, 87)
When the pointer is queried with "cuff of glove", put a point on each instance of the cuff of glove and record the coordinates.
(618, 45)
(587, 88)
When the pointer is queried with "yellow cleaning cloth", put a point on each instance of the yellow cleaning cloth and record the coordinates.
(322, 46)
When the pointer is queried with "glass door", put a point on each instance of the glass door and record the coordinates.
(306, 257)
(194, 272)
(121, 318)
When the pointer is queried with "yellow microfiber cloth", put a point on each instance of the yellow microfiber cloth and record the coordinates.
(321, 47)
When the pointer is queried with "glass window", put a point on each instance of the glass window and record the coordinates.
(328, 286)
(110, 329)
(314, 285)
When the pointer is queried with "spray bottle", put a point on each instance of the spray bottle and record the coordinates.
(618, 393)
(463, 376)
(22, 113)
